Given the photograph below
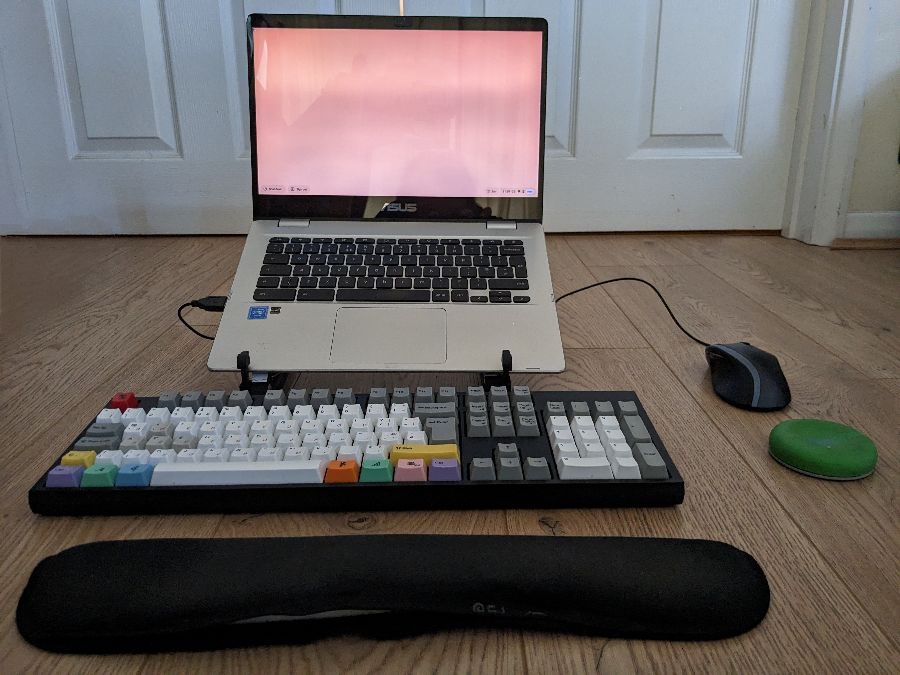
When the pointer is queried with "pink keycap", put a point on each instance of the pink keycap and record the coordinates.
(410, 470)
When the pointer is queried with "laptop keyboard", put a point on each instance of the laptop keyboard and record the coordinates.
(362, 269)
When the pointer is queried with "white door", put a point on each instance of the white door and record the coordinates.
(130, 115)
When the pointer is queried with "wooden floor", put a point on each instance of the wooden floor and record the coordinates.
(83, 318)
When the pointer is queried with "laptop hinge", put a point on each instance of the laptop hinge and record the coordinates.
(502, 225)
(286, 222)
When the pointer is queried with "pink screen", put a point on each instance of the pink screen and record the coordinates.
(428, 113)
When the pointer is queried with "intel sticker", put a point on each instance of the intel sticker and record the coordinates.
(258, 313)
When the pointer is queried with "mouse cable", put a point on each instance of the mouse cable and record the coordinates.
(655, 290)
(211, 303)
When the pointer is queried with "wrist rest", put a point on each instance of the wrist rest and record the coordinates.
(190, 594)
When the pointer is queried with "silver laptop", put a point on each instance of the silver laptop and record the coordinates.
(397, 198)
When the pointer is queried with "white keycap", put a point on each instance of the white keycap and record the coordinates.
(255, 412)
(133, 457)
(364, 438)
(270, 455)
(189, 455)
(583, 468)
(235, 441)
(606, 422)
(336, 427)
(408, 424)
(558, 422)
(159, 416)
(236, 427)
(207, 414)
(216, 455)
(243, 455)
(361, 424)
(375, 412)
(338, 439)
(415, 438)
(209, 441)
(582, 422)
(351, 412)
(133, 415)
(312, 426)
(288, 440)
(595, 449)
(390, 438)
(619, 449)
(261, 441)
(558, 435)
(110, 457)
(385, 424)
(109, 416)
(327, 412)
(399, 411)
(262, 427)
(565, 449)
(288, 426)
(182, 415)
(161, 456)
(239, 473)
(191, 427)
(625, 467)
(313, 439)
(136, 431)
(348, 452)
(230, 413)
(376, 452)
(213, 428)
(323, 453)
(303, 413)
(608, 437)
(296, 453)
(583, 436)
(279, 413)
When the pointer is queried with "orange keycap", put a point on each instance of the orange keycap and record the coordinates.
(342, 471)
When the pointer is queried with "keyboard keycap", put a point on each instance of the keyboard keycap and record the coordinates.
(508, 284)
(315, 295)
(239, 473)
(376, 295)
(274, 294)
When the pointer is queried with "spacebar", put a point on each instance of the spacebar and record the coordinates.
(382, 295)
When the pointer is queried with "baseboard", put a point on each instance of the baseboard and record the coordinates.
(873, 225)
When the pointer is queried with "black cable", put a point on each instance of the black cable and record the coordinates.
(211, 303)
(655, 290)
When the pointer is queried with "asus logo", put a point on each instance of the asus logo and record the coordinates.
(408, 207)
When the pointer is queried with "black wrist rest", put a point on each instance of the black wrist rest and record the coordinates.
(190, 594)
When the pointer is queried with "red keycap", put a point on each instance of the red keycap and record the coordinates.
(124, 400)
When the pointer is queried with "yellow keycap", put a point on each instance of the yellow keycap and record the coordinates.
(83, 458)
(424, 452)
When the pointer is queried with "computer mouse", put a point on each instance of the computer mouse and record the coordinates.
(747, 377)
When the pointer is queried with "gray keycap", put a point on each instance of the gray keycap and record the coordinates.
(297, 397)
(524, 408)
(509, 468)
(379, 395)
(446, 395)
(320, 397)
(215, 399)
(477, 407)
(160, 429)
(435, 410)
(506, 450)
(112, 430)
(401, 395)
(650, 462)
(554, 408)
(274, 397)
(502, 426)
(170, 400)
(627, 408)
(240, 398)
(579, 408)
(499, 394)
(527, 425)
(536, 468)
(478, 427)
(521, 393)
(97, 443)
(158, 443)
(500, 408)
(441, 430)
(193, 400)
(475, 394)
(134, 444)
(424, 395)
(344, 396)
(603, 408)
(635, 430)
(182, 441)
(482, 468)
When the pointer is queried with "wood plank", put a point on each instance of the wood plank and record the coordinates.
(854, 524)
(866, 244)
(600, 250)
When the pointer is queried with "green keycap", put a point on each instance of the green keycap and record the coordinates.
(100, 475)
(376, 471)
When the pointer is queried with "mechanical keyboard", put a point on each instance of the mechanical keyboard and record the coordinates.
(324, 450)
(366, 269)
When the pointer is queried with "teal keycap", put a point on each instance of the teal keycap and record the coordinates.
(376, 471)
(100, 475)
(135, 475)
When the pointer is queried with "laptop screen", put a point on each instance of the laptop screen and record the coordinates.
(409, 119)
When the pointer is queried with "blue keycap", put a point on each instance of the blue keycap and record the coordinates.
(135, 475)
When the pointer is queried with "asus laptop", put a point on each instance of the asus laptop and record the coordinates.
(397, 197)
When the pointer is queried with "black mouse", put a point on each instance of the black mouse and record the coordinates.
(747, 377)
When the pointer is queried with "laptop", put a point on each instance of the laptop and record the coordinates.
(397, 168)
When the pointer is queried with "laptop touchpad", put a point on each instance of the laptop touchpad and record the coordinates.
(389, 335)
